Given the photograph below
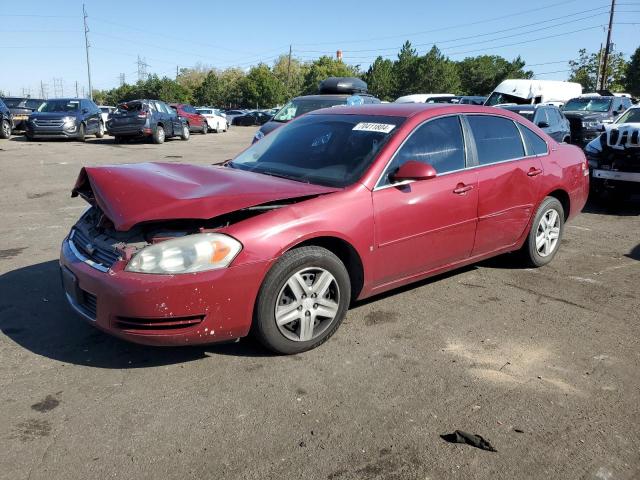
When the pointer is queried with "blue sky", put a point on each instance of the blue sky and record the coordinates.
(44, 40)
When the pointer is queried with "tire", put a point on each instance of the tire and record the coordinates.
(100, 132)
(543, 241)
(186, 133)
(117, 139)
(159, 135)
(309, 265)
(205, 128)
(566, 139)
(5, 129)
(81, 133)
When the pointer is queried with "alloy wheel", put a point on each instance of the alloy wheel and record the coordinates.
(548, 233)
(307, 304)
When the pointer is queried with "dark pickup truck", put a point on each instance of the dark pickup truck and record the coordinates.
(588, 114)
(21, 108)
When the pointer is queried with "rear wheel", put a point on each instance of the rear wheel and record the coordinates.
(302, 301)
(159, 135)
(205, 127)
(5, 129)
(546, 232)
(185, 133)
(100, 132)
(81, 133)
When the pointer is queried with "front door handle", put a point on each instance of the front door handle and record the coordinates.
(533, 172)
(461, 189)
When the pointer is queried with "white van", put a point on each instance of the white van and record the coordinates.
(530, 92)
(427, 98)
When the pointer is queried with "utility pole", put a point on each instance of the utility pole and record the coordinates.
(607, 48)
(289, 69)
(86, 46)
(177, 72)
(76, 88)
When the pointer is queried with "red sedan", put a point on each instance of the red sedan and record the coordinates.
(195, 121)
(338, 205)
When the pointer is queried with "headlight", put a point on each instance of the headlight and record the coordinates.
(69, 120)
(189, 254)
(593, 125)
(258, 136)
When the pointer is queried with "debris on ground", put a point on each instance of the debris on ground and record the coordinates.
(469, 438)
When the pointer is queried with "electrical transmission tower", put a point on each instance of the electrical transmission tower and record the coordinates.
(44, 90)
(58, 89)
(122, 79)
(142, 69)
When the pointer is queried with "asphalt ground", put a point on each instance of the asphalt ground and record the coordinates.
(543, 363)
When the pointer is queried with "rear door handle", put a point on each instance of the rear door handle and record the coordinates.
(534, 172)
(461, 189)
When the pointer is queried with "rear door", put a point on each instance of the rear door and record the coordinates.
(508, 182)
(423, 225)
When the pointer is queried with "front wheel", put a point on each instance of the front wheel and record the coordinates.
(545, 235)
(5, 129)
(205, 128)
(185, 133)
(100, 132)
(302, 301)
(81, 133)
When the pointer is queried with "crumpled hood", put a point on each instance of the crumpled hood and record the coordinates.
(144, 192)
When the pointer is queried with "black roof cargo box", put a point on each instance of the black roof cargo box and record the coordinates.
(342, 85)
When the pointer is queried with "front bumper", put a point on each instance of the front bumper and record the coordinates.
(616, 175)
(189, 309)
(583, 138)
(51, 132)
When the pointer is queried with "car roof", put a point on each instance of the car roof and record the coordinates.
(520, 108)
(331, 96)
(410, 109)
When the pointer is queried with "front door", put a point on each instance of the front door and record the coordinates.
(423, 225)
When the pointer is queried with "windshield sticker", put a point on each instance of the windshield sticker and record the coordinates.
(374, 127)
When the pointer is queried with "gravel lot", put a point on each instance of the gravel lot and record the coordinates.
(544, 363)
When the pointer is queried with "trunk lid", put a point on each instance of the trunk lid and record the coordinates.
(146, 192)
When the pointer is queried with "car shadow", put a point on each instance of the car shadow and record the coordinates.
(608, 206)
(35, 315)
(634, 254)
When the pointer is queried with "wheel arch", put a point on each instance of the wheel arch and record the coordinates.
(563, 197)
(347, 254)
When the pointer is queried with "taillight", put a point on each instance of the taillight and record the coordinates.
(585, 166)
(143, 114)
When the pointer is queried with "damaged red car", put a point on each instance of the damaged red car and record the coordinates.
(338, 205)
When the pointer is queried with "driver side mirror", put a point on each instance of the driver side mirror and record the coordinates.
(543, 124)
(414, 170)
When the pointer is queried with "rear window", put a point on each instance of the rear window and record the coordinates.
(130, 107)
(528, 114)
(497, 139)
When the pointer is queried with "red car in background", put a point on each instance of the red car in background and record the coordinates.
(337, 205)
(195, 121)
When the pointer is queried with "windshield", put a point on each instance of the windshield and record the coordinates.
(501, 98)
(630, 116)
(12, 102)
(60, 106)
(331, 150)
(588, 104)
(203, 111)
(300, 106)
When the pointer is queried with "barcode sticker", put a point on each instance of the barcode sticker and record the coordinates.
(374, 127)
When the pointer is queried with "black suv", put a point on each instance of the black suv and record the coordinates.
(21, 108)
(548, 118)
(65, 118)
(588, 114)
(146, 118)
(332, 91)
(6, 121)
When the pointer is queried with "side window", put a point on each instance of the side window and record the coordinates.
(535, 144)
(497, 139)
(438, 142)
(541, 116)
